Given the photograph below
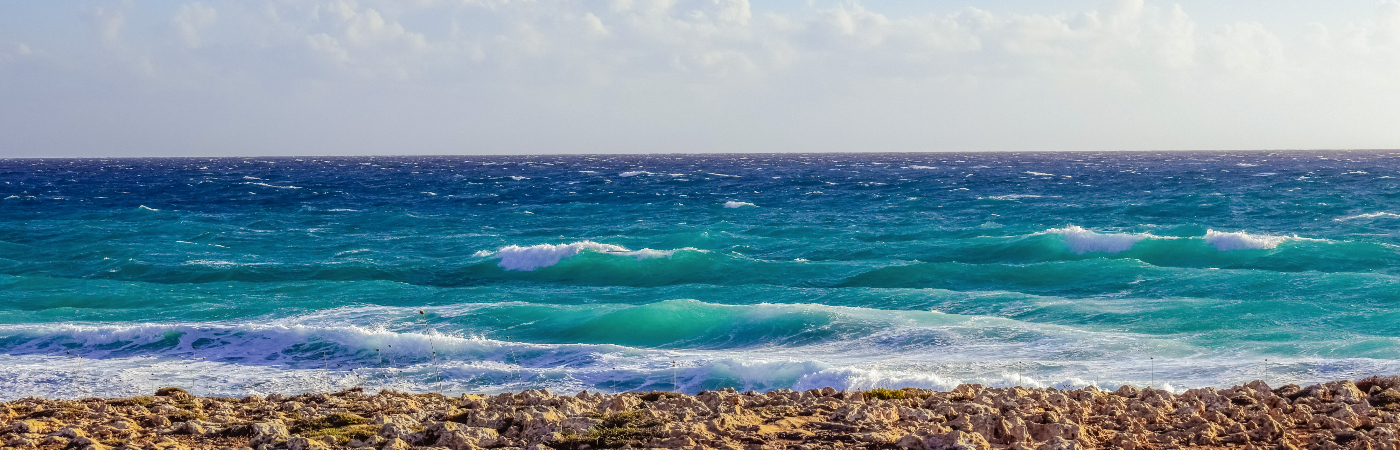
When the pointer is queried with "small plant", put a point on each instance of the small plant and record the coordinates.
(885, 394)
(344, 435)
(135, 401)
(185, 415)
(624, 429)
(171, 391)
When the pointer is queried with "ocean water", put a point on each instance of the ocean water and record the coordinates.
(237, 276)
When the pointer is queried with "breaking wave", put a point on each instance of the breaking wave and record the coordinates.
(515, 257)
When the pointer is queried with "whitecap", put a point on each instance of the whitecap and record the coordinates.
(734, 204)
(515, 257)
(275, 186)
(923, 167)
(1227, 241)
(1369, 216)
(1012, 197)
(147, 208)
(1083, 241)
(633, 173)
(1040, 174)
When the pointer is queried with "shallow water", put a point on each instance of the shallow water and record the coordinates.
(256, 275)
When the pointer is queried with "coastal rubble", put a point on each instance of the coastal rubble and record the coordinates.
(1335, 415)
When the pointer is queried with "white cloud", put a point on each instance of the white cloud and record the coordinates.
(632, 75)
(191, 20)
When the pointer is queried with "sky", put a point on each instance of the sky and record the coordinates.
(341, 77)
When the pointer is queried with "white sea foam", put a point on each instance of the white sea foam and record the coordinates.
(275, 186)
(514, 257)
(1228, 241)
(734, 204)
(1369, 216)
(1013, 197)
(1083, 241)
(901, 348)
(923, 167)
(1040, 174)
(146, 208)
(633, 173)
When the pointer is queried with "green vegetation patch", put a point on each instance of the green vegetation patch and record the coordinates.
(185, 415)
(344, 435)
(885, 394)
(171, 391)
(624, 429)
(133, 401)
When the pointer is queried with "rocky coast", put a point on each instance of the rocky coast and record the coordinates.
(1336, 415)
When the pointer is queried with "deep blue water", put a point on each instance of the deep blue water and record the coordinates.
(254, 275)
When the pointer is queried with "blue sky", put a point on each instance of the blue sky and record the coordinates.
(321, 77)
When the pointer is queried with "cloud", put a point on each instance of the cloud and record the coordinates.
(721, 75)
(191, 20)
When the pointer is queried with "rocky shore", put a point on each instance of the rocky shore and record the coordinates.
(1341, 414)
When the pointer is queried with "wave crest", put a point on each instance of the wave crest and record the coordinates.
(1083, 241)
(515, 257)
(1227, 241)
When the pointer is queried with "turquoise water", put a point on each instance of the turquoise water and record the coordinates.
(254, 275)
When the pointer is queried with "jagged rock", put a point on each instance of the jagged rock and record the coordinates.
(269, 433)
(396, 444)
(301, 443)
(955, 440)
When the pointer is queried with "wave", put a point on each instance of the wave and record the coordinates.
(515, 257)
(1013, 197)
(633, 173)
(1369, 216)
(1228, 241)
(1081, 241)
(736, 204)
(898, 349)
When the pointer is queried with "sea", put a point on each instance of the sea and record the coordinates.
(487, 274)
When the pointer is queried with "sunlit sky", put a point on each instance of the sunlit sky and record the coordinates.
(633, 76)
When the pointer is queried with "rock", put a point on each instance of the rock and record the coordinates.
(396, 444)
(956, 440)
(1346, 392)
(30, 426)
(268, 433)
(301, 443)
(623, 403)
(395, 431)
(467, 438)
(1059, 443)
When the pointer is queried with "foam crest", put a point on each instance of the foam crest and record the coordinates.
(515, 257)
(1374, 215)
(1229, 241)
(1083, 241)
(734, 204)
(633, 173)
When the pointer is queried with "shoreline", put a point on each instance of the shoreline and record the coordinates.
(1340, 414)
